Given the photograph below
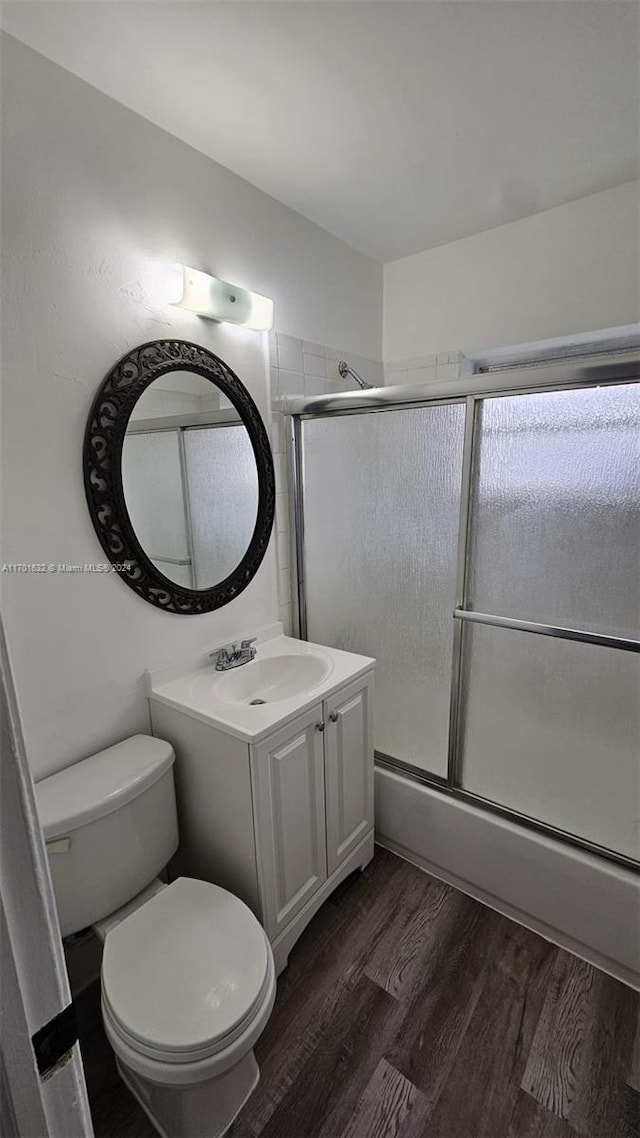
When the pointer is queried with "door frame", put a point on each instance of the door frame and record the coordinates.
(35, 986)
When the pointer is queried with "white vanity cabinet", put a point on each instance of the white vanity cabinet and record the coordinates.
(283, 820)
(288, 780)
(348, 718)
(313, 800)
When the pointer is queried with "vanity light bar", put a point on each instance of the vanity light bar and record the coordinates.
(207, 296)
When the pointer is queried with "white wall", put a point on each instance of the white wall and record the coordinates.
(570, 269)
(94, 200)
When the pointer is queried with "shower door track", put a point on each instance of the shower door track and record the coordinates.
(459, 794)
(470, 389)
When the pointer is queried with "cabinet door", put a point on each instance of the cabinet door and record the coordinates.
(288, 784)
(348, 768)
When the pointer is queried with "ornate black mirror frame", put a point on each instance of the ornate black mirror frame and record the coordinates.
(102, 459)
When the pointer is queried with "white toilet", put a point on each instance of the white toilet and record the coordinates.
(188, 980)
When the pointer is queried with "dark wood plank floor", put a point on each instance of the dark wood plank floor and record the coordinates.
(410, 1011)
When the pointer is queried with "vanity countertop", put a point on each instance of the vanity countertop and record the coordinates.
(282, 663)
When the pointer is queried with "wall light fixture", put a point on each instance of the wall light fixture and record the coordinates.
(219, 300)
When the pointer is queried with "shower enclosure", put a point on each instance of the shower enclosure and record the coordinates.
(481, 539)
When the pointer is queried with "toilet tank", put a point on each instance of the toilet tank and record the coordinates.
(110, 826)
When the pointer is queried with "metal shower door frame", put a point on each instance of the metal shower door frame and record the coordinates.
(472, 390)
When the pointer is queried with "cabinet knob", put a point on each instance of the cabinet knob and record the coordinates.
(334, 717)
(319, 726)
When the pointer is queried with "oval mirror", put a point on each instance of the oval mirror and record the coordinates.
(179, 476)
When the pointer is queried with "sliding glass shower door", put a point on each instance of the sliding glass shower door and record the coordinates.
(381, 510)
(487, 553)
(550, 724)
(153, 482)
(192, 496)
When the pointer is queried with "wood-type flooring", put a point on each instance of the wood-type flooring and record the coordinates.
(409, 1010)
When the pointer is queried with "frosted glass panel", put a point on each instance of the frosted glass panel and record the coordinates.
(153, 493)
(556, 533)
(222, 480)
(552, 728)
(381, 503)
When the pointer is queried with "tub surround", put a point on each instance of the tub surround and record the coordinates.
(576, 900)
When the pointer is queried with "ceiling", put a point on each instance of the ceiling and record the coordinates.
(396, 125)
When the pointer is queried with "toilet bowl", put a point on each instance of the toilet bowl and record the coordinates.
(182, 1027)
(188, 979)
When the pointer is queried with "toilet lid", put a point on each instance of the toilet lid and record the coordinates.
(183, 973)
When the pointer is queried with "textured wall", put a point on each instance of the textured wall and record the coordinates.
(95, 200)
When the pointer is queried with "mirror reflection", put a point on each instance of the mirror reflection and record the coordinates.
(190, 480)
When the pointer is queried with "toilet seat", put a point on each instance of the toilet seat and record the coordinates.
(184, 976)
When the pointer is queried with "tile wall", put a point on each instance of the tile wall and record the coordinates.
(300, 367)
(423, 369)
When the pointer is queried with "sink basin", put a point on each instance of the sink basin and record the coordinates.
(268, 680)
(287, 677)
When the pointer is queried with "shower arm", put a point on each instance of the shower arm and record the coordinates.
(344, 370)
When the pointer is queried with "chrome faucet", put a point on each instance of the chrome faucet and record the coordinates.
(232, 656)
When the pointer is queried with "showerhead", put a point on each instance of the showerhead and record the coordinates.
(345, 370)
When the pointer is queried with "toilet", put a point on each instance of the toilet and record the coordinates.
(188, 979)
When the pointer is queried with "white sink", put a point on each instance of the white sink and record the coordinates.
(266, 681)
(287, 677)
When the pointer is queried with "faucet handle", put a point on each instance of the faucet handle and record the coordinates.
(247, 643)
(222, 653)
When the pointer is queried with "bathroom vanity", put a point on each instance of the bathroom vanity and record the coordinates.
(274, 775)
